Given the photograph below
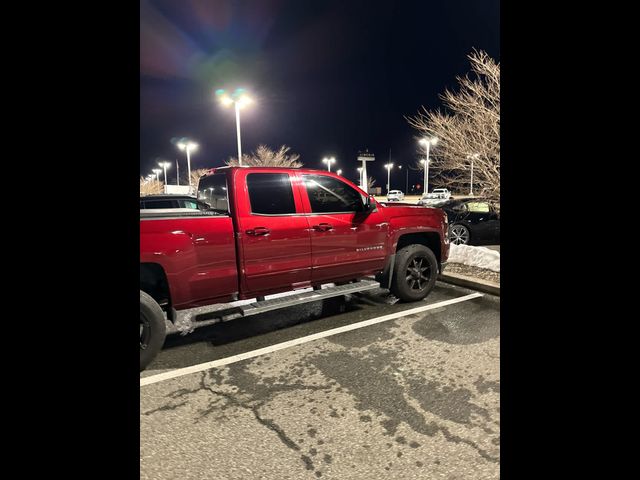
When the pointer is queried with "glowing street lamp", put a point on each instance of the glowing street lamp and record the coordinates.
(339, 172)
(188, 146)
(427, 142)
(328, 161)
(388, 166)
(239, 99)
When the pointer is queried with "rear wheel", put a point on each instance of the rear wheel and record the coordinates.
(414, 273)
(153, 329)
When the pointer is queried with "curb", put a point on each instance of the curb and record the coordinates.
(470, 282)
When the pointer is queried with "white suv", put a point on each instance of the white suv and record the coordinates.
(395, 196)
(436, 197)
(442, 193)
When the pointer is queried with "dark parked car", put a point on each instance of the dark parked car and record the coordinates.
(171, 201)
(472, 221)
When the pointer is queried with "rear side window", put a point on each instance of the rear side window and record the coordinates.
(270, 193)
(478, 207)
(212, 190)
(330, 195)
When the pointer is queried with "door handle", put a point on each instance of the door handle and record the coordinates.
(258, 231)
(323, 227)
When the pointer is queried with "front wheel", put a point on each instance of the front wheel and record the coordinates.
(414, 273)
(459, 234)
(153, 329)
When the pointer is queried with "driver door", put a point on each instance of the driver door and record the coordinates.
(346, 240)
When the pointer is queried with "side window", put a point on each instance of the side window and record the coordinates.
(270, 193)
(212, 190)
(160, 204)
(478, 207)
(330, 195)
(459, 208)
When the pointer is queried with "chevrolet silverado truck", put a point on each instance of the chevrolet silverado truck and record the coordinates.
(305, 234)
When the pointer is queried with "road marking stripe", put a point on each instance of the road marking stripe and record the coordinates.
(298, 341)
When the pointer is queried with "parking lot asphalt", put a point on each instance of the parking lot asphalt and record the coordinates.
(415, 396)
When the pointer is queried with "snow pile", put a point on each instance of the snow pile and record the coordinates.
(480, 257)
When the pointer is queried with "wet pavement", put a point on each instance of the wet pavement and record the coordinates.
(414, 397)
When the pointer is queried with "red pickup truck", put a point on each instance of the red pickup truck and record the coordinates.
(274, 230)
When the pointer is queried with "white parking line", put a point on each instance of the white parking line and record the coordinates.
(298, 341)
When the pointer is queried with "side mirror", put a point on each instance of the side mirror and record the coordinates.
(369, 203)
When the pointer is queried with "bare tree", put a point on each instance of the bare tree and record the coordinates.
(468, 131)
(150, 187)
(263, 156)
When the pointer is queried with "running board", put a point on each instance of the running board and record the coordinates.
(305, 297)
(187, 320)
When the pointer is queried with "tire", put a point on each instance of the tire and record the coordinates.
(459, 234)
(414, 273)
(153, 329)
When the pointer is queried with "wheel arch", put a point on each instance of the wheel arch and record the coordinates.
(429, 239)
(153, 281)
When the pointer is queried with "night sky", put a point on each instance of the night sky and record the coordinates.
(329, 78)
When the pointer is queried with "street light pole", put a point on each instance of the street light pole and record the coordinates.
(189, 164)
(406, 186)
(427, 142)
(239, 98)
(237, 107)
(188, 145)
(425, 164)
(165, 165)
(426, 175)
(426, 170)
(388, 166)
(157, 173)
